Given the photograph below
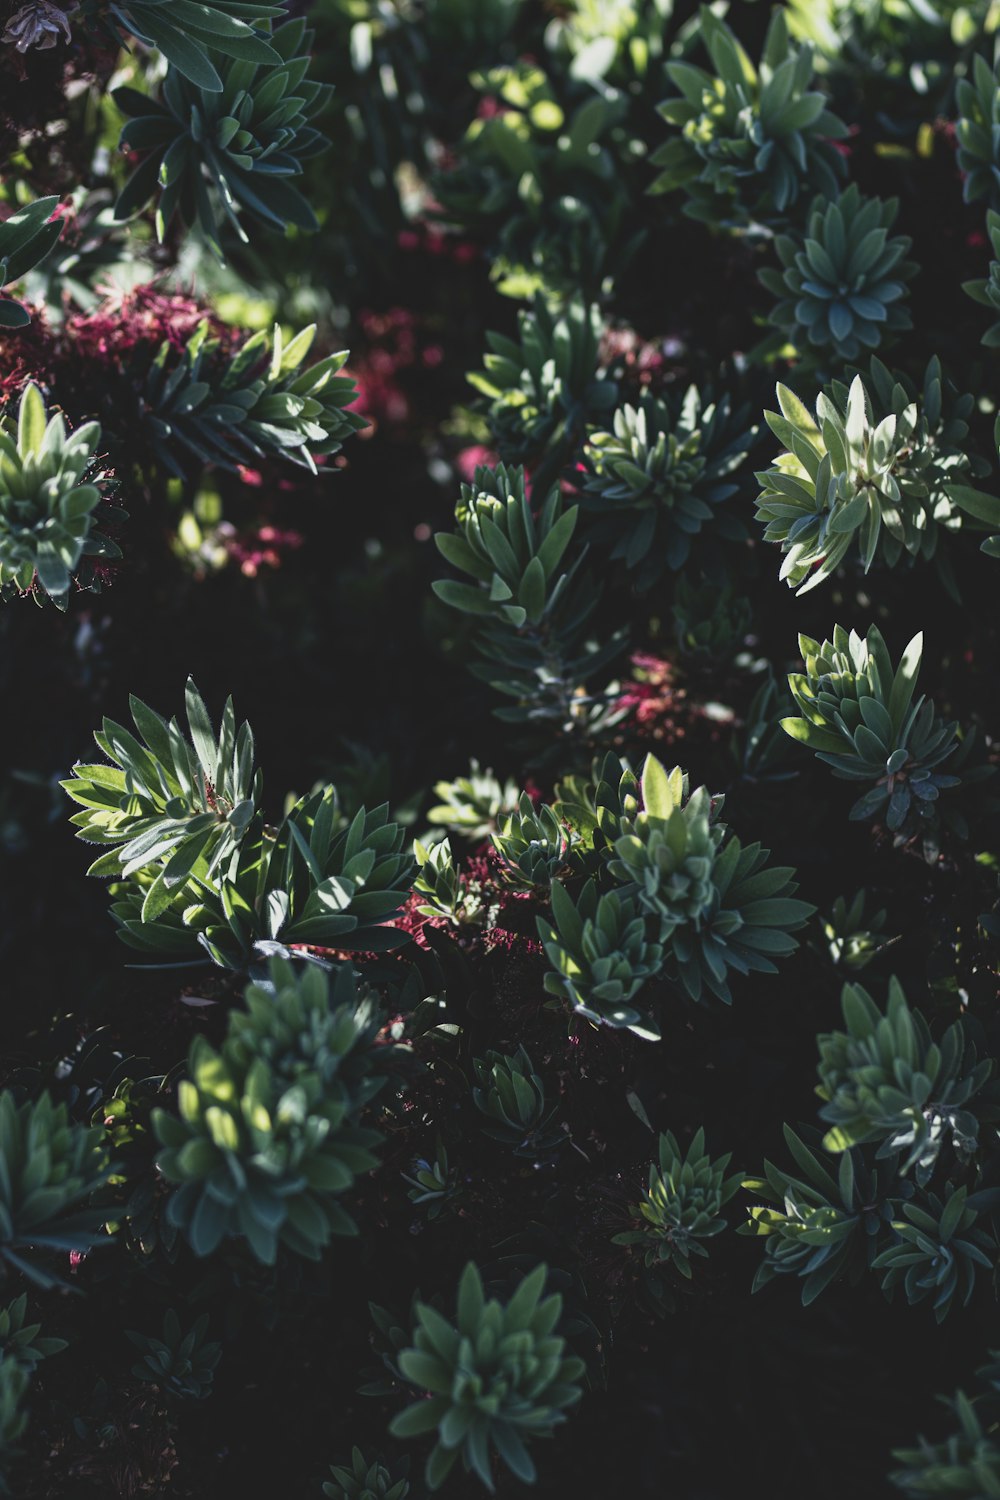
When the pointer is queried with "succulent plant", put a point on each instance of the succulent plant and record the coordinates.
(967, 1462)
(598, 806)
(665, 855)
(473, 805)
(978, 100)
(512, 554)
(535, 844)
(682, 1205)
(534, 612)
(751, 140)
(53, 503)
(26, 237)
(883, 1079)
(748, 924)
(201, 406)
(188, 33)
(438, 882)
(178, 805)
(21, 1342)
(939, 1250)
(824, 1226)
(853, 936)
(266, 1137)
(843, 280)
(883, 473)
(367, 1481)
(498, 1375)
(859, 716)
(543, 389)
(199, 872)
(207, 150)
(434, 1185)
(601, 956)
(660, 476)
(181, 1362)
(50, 1167)
(511, 1095)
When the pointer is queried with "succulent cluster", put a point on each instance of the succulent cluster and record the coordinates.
(843, 280)
(201, 406)
(750, 139)
(266, 1138)
(854, 936)
(711, 621)
(495, 1378)
(473, 805)
(824, 1226)
(198, 870)
(397, 1026)
(542, 390)
(682, 1205)
(510, 1094)
(967, 1461)
(860, 716)
(670, 890)
(884, 471)
(210, 152)
(657, 479)
(181, 1362)
(20, 1341)
(53, 503)
(601, 956)
(531, 597)
(534, 844)
(883, 1079)
(366, 1481)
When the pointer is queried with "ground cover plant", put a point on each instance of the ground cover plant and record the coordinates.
(499, 814)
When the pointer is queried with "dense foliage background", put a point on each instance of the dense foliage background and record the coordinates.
(573, 248)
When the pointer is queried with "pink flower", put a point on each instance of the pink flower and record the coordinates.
(471, 459)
